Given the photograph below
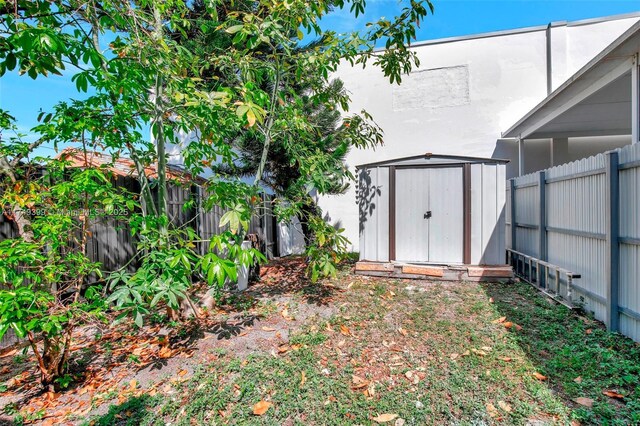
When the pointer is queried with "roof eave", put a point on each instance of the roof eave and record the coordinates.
(515, 131)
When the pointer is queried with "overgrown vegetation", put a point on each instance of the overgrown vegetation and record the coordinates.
(43, 273)
(270, 62)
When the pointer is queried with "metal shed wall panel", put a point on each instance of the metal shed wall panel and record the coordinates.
(373, 206)
(487, 214)
(487, 210)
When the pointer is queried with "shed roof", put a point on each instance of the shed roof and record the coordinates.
(432, 159)
(595, 101)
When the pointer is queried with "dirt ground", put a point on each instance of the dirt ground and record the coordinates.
(113, 363)
(350, 350)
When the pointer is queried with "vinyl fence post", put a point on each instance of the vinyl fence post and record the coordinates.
(542, 216)
(612, 253)
(513, 214)
(542, 222)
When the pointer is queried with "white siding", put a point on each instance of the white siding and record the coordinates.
(373, 207)
(487, 214)
(441, 191)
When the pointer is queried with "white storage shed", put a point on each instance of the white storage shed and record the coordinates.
(433, 209)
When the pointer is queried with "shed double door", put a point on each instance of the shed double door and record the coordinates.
(429, 215)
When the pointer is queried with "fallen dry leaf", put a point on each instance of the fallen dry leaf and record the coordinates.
(504, 406)
(358, 382)
(261, 407)
(133, 384)
(303, 379)
(505, 358)
(578, 380)
(587, 402)
(517, 327)
(360, 386)
(344, 330)
(371, 389)
(412, 377)
(492, 410)
(402, 331)
(283, 349)
(285, 314)
(539, 376)
(384, 418)
(499, 320)
(454, 356)
(613, 394)
(165, 352)
(182, 373)
(268, 329)
(588, 331)
(52, 396)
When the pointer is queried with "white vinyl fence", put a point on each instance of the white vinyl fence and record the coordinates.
(585, 217)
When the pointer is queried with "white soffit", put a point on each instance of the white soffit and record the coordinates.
(595, 101)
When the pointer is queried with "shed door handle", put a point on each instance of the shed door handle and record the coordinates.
(427, 215)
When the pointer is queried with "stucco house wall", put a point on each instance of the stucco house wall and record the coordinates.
(466, 92)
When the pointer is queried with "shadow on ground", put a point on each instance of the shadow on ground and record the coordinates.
(288, 276)
(129, 413)
(576, 353)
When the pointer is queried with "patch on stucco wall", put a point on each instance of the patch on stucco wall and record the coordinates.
(433, 88)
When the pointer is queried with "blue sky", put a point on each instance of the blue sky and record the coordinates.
(463, 17)
(24, 97)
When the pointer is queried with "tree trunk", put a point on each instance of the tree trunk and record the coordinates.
(21, 219)
(158, 125)
(268, 126)
(160, 147)
(52, 363)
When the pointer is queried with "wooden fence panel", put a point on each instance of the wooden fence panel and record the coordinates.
(112, 244)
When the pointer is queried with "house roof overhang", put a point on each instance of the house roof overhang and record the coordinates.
(595, 101)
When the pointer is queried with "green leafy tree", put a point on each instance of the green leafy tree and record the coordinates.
(295, 137)
(43, 278)
(135, 75)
